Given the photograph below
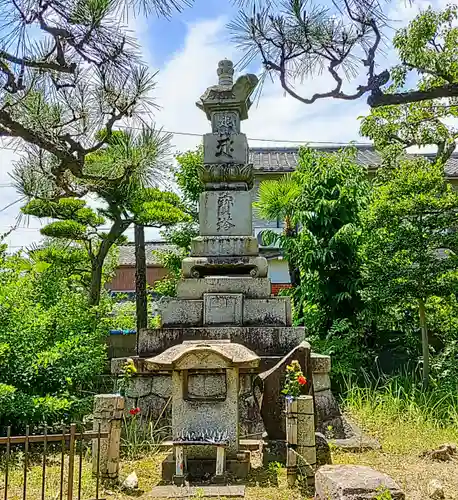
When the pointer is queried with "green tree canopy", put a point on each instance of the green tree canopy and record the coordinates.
(69, 68)
(411, 235)
(52, 347)
(429, 42)
(138, 161)
(323, 198)
(186, 176)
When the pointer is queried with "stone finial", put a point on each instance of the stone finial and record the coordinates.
(225, 72)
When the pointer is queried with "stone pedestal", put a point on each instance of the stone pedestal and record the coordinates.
(205, 402)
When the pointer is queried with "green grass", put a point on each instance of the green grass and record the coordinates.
(407, 420)
(402, 414)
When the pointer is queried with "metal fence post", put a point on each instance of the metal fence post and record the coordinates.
(108, 414)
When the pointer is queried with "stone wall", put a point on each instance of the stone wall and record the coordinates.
(152, 393)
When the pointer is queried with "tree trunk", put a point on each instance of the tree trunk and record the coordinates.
(140, 278)
(290, 231)
(96, 281)
(424, 341)
(97, 260)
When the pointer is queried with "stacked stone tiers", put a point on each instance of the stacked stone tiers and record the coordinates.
(225, 246)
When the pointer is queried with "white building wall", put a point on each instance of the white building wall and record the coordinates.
(278, 271)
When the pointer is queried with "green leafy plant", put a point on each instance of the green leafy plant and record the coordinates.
(128, 370)
(383, 493)
(411, 238)
(52, 347)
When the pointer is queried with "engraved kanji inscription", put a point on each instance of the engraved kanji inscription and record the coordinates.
(225, 204)
(225, 123)
(224, 146)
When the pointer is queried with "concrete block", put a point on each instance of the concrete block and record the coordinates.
(178, 312)
(320, 363)
(268, 312)
(194, 288)
(223, 308)
(225, 213)
(230, 148)
(353, 482)
(229, 246)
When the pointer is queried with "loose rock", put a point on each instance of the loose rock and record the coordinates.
(131, 482)
(444, 453)
(323, 451)
(353, 482)
(436, 490)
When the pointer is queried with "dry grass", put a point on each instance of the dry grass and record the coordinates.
(262, 485)
(404, 436)
(403, 439)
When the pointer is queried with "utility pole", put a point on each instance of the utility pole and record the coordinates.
(140, 278)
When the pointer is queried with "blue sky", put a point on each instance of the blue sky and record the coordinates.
(185, 50)
(166, 36)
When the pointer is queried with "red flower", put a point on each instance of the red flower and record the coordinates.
(302, 380)
(134, 411)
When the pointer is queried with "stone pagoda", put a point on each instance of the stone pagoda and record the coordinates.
(223, 301)
(225, 284)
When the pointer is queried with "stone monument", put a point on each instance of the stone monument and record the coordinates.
(225, 293)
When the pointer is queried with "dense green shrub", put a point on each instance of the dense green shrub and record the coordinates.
(51, 344)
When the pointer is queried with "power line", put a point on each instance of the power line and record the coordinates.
(194, 134)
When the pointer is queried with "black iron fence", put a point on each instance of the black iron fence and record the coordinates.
(36, 450)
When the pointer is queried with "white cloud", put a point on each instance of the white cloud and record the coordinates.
(276, 116)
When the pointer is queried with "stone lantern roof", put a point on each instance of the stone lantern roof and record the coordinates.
(234, 355)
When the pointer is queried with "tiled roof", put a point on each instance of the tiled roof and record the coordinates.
(266, 160)
(127, 253)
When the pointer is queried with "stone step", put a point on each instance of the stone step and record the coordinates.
(229, 246)
(194, 288)
(200, 267)
(264, 341)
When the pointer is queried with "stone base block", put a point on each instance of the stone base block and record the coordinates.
(321, 382)
(229, 309)
(223, 308)
(264, 341)
(200, 267)
(180, 312)
(225, 213)
(268, 312)
(238, 467)
(228, 246)
(353, 482)
(320, 363)
(192, 288)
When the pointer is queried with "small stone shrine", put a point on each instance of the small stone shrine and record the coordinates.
(205, 408)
